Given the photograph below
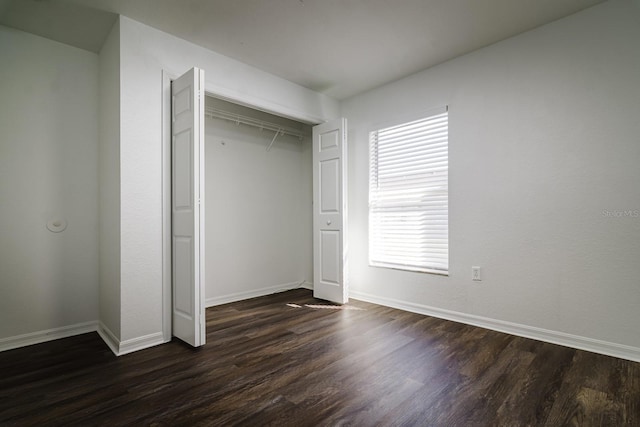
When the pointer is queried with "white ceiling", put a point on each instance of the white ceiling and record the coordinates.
(337, 47)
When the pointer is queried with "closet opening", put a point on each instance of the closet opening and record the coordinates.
(258, 192)
(274, 210)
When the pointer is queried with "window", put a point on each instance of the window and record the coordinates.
(408, 196)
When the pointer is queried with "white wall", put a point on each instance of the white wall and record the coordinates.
(145, 52)
(48, 162)
(258, 212)
(544, 139)
(109, 181)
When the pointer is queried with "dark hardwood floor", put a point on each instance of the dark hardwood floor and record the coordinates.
(267, 363)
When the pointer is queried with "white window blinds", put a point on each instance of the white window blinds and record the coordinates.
(408, 196)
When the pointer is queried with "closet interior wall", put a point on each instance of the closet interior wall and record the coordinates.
(258, 212)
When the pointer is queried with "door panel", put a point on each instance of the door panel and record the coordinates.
(187, 206)
(329, 212)
(330, 257)
(183, 253)
(330, 186)
(183, 170)
(329, 140)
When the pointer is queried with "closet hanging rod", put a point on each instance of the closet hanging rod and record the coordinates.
(261, 124)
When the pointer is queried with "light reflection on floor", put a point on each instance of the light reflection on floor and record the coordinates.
(326, 306)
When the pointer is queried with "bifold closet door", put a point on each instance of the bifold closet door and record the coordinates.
(330, 211)
(187, 207)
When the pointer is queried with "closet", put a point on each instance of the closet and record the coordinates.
(258, 192)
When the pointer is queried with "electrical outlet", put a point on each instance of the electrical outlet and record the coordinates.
(476, 274)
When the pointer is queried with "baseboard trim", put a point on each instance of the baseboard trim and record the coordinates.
(140, 343)
(109, 338)
(554, 337)
(120, 348)
(47, 335)
(239, 296)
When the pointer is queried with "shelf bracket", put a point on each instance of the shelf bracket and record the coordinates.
(274, 139)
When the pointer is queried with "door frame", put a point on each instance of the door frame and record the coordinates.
(226, 94)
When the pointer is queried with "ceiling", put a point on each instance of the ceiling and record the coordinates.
(336, 47)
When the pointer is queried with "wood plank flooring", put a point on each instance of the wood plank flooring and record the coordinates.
(267, 363)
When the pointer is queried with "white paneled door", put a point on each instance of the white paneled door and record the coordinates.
(329, 212)
(187, 207)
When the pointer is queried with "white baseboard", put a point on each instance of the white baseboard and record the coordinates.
(540, 334)
(140, 343)
(47, 335)
(239, 296)
(117, 347)
(109, 338)
(120, 348)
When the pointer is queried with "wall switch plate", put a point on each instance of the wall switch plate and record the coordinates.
(476, 274)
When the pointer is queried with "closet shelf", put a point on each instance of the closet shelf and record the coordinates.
(240, 119)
